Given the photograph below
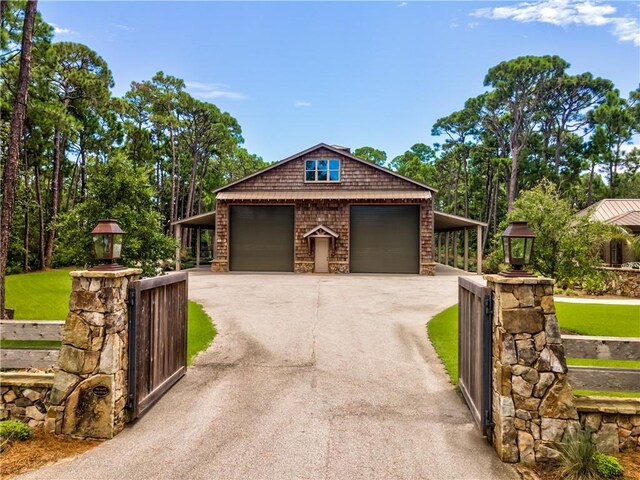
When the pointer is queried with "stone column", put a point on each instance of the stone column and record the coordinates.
(90, 387)
(532, 400)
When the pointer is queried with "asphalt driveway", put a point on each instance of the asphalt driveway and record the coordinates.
(310, 377)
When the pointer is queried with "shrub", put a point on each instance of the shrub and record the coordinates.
(607, 465)
(14, 430)
(567, 247)
(116, 189)
(578, 457)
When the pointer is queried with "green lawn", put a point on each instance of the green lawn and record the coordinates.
(39, 295)
(45, 296)
(605, 320)
(599, 319)
(590, 393)
(200, 330)
(596, 362)
(443, 332)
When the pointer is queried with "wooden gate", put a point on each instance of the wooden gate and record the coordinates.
(474, 349)
(157, 338)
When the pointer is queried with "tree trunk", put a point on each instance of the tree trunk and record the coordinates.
(591, 175)
(13, 151)
(58, 152)
(41, 229)
(172, 202)
(27, 207)
(513, 179)
(83, 173)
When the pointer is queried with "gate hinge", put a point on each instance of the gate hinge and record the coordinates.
(131, 300)
(488, 305)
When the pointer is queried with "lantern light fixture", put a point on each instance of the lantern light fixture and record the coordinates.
(107, 244)
(517, 243)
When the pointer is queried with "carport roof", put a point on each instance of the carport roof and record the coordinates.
(204, 220)
(444, 222)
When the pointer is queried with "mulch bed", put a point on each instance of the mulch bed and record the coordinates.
(630, 461)
(38, 451)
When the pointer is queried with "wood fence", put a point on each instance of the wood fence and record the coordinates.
(31, 331)
(604, 348)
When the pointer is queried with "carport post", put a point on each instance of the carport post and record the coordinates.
(466, 249)
(179, 242)
(439, 247)
(446, 248)
(455, 249)
(198, 247)
(479, 250)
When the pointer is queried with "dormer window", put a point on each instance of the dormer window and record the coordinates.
(322, 170)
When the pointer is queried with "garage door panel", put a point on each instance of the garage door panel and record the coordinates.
(385, 239)
(261, 238)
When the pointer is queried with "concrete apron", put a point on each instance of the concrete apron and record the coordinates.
(309, 377)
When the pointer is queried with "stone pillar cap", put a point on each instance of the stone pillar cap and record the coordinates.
(126, 272)
(519, 280)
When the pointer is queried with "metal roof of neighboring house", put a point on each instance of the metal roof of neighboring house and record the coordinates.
(615, 211)
(336, 149)
(631, 219)
(325, 195)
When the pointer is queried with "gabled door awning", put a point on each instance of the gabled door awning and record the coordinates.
(321, 232)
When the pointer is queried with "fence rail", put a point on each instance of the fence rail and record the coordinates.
(606, 348)
(603, 348)
(32, 331)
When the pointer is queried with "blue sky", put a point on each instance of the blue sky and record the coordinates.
(360, 73)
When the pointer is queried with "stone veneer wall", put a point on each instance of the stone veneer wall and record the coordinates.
(532, 401)
(88, 396)
(623, 281)
(614, 422)
(25, 397)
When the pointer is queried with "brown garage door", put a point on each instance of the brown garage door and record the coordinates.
(261, 238)
(385, 239)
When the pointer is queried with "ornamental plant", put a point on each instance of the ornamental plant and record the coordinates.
(608, 466)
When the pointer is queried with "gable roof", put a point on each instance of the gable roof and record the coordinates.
(613, 210)
(332, 148)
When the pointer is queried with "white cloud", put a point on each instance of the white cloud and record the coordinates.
(301, 104)
(454, 24)
(58, 30)
(213, 90)
(119, 26)
(402, 4)
(568, 12)
(473, 25)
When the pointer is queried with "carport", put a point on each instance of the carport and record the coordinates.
(448, 227)
(204, 221)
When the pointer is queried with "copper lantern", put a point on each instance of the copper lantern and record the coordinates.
(517, 242)
(107, 244)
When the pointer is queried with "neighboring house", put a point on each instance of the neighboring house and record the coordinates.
(325, 210)
(624, 212)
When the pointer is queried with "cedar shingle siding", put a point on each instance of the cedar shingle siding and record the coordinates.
(332, 213)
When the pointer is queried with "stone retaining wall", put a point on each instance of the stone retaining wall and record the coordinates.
(623, 281)
(25, 397)
(614, 422)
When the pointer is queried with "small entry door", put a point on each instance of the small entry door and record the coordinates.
(321, 255)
